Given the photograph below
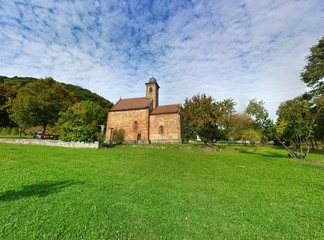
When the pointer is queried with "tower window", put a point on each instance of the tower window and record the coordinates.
(151, 89)
(135, 126)
(161, 129)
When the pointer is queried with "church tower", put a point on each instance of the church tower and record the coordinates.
(152, 91)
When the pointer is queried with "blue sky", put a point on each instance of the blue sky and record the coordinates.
(226, 49)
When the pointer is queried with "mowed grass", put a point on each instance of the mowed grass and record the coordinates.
(138, 193)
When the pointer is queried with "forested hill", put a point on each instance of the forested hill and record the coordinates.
(80, 93)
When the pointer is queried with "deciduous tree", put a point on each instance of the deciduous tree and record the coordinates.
(299, 117)
(206, 118)
(261, 118)
(81, 121)
(39, 102)
(6, 96)
(313, 72)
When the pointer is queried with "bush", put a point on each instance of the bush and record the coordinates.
(120, 136)
(80, 122)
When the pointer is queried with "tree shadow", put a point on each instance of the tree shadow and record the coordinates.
(41, 189)
(265, 154)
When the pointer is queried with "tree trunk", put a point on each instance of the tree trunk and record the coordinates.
(21, 130)
(291, 153)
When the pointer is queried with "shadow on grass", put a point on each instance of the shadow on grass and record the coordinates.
(265, 154)
(41, 189)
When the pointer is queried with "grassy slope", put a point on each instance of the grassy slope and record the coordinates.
(134, 193)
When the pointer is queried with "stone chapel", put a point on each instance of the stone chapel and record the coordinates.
(143, 120)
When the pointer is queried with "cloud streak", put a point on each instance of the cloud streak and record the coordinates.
(226, 49)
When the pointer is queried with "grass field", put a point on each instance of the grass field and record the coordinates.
(139, 193)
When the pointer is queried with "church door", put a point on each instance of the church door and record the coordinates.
(138, 137)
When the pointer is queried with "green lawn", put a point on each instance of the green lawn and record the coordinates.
(139, 193)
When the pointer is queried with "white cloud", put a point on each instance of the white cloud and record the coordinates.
(226, 49)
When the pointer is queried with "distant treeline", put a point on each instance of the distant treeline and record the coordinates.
(81, 94)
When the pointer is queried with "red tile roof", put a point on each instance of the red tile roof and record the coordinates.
(132, 104)
(166, 109)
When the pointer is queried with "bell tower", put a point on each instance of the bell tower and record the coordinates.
(152, 91)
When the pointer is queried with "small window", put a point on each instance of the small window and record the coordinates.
(161, 130)
(151, 89)
(135, 126)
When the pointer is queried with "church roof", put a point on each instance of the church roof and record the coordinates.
(166, 109)
(132, 104)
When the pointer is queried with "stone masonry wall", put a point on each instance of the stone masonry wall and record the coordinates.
(165, 128)
(125, 120)
(56, 143)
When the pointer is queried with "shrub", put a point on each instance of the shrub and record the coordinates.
(120, 136)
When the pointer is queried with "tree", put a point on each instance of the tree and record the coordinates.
(81, 121)
(261, 118)
(188, 131)
(251, 135)
(226, 111)
(319, 123)
(201, 114)
(205, 117)
(119, 136)
(6, 96)
(297, 118)
(313, 72)
(240, 123)
(39, 102)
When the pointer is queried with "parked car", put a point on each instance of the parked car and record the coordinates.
(38, 135)
(41, 135)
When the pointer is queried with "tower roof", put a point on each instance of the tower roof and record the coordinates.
(152, 80)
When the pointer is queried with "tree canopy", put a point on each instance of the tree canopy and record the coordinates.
(80, 122)
(6, 96)
(81, 94)
(313, 72)
(39, 102)
(205, 117)
(261, 118)
(297, 120)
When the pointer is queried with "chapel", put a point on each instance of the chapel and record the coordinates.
(143, 120)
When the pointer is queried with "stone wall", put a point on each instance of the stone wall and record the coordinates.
(165, 128)
(126, 121)
(57, 143)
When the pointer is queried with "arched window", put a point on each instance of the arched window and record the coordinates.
(161, 129)
(135, 126)
(151, 89)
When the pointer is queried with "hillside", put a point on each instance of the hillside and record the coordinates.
(80, 93)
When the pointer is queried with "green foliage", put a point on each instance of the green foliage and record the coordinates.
(239, 124)
(313, 72)
(201, 114)
(39, 102)
(6, 96)
(188, 132)
(298, 118)
(261, 118)
(82, 94)
(119, 136)
(206, 117)
(251, 135)
(80, 122)
(294, 113)
(136, 193)
(16, 83)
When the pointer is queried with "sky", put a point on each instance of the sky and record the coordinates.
(225, 49)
